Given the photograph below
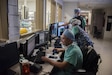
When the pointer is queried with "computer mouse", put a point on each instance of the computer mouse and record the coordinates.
(54, 51)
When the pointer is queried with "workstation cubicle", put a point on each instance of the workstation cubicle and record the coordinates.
(31, 48)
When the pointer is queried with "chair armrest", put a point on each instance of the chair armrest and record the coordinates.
(81, 70)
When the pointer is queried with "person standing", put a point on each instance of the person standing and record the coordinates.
(77, 15)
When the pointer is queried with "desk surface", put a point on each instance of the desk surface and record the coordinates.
(46, 67)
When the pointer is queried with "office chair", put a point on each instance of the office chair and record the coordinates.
(96, 33)
(91, 62)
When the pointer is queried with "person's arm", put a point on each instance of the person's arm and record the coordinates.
(54, 63)
(65, 24)
(59, 49)
(83, 23)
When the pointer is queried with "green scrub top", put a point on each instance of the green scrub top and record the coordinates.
(83, 22)
(74, 57)
(75, 30)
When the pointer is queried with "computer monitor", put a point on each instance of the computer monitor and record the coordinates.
(46, 36)
(60, 29)
(53, 30)
(42, 37)
(37, 38)
(30, 44)
(9, 56)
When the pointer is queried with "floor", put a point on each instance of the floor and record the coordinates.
(104, 48)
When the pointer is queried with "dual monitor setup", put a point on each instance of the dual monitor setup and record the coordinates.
(55, 30)
(36, 40)
(9, 52)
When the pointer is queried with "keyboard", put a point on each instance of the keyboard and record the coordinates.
(53, 57)
(38, 57)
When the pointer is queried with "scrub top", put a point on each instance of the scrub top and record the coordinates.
(74, 57)
(81, 37)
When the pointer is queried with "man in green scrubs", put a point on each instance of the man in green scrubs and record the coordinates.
(73, 57)
(77, 15)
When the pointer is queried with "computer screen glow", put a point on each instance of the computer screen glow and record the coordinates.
(60, 29)
(54, 29)
(30, 44)
(41, 37)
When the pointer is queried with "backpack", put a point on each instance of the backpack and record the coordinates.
(81, 19)
(91, 60)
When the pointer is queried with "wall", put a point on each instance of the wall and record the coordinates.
(48, 13)
(68, 10)
(107, 34)
(97, 20)
(32, 5)
(39, 14)
(60, 2)
(59, 13)
(3, 20)
(13, 20)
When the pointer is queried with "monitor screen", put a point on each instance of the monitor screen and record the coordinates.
(37, 38)
(9, 56)
(30, 44)
(42, 37)
(46, 36)
(60, 29)
(53, 29)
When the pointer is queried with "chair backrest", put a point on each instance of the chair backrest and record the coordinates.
(91, 60)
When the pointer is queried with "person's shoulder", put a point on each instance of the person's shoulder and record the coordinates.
(76, 47)
(78, 17)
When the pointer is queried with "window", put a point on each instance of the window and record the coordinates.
(27, 10)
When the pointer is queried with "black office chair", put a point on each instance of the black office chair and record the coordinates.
(91, 62)
(96, 33)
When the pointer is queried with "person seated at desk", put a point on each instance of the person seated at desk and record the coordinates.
(73, 57)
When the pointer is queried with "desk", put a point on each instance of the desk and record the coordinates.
(46, 66)
(45, 69)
